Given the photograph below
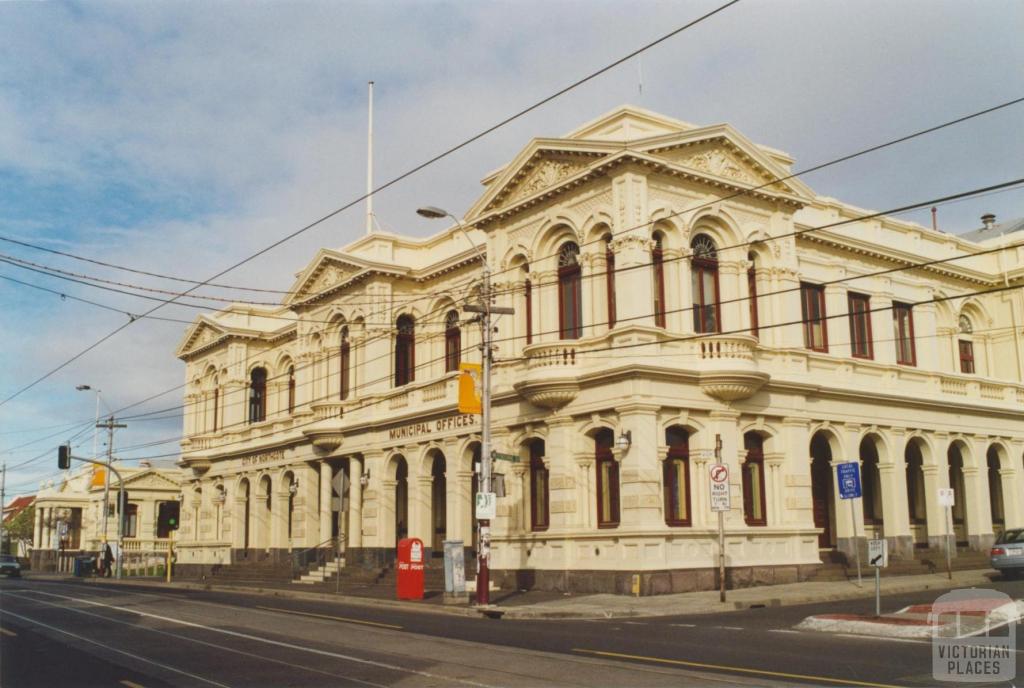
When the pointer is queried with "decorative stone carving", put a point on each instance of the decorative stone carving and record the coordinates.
(325, 441)
(545, 175)
(552, 394)
(721, 164)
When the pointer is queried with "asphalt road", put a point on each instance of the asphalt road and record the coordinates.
(92, 635)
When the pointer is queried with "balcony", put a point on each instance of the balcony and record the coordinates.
(727, 366)
(550, 379)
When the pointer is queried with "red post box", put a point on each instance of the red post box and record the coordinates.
(410, 569)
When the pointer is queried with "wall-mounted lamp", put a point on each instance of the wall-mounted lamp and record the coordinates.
(294, 487)
(624, 441)
(364, 479)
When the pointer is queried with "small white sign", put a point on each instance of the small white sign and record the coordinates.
(486, 505)
(878, 553)
(946, 496)
(416, 552)
(62, 529)
(720, 498)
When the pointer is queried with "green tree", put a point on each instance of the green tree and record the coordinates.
(19, 529)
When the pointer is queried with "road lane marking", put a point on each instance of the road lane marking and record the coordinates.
(684, 625)
(730, 628)
(114, 649)
(783, 630)
(332, 618)
(743, 670)
(130, 684)
(225, 648)
(634, 623)
(268, 641)
(4, 631)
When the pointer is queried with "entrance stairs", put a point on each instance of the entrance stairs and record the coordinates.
(323, 572)
(835, 566)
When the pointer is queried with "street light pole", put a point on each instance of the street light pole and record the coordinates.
(95, 458)
(485, 309)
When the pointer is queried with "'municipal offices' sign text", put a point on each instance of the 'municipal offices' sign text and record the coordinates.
(439, 425)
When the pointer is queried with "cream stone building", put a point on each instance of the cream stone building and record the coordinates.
(69, 513)
(672, 286)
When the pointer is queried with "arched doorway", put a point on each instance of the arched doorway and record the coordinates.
(955, 458)
(401, 499)
(245, 498)
(871, 486)
(995, 490)
(264, 513)
(917, 506)
(822, 492)
(438, 504)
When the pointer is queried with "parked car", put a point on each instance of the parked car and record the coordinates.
(1008, 552)
(9, 565)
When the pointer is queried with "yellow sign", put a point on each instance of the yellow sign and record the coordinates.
(99, 475)
(470, 387)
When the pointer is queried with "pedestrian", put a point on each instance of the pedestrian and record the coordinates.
(108, 560)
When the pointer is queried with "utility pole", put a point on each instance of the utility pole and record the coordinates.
(486, 309)
(3, 503)
(109, 424)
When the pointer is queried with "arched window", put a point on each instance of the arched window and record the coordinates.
(607, 480)
(291, 389)
(609, 267)
(528, 305)
(871, 483)
(704, 271)
(995, 488)
(966, 344)
(216, 402)
(345, 365)
(754, 510)
(658, 272)
(539, 508)
(752, 293)
(405, 351)
(570, 307)
(258, 395)
(676, 477)
(452, 342)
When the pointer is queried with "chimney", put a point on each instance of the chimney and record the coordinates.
(989, 220)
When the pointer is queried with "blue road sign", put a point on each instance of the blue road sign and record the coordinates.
(849, 480)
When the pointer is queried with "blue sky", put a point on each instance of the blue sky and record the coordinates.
(180, 137)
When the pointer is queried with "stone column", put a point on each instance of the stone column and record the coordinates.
(884, 346)
(355, 502)
(892, 478)
(37, 529)
(838, 328)
(774, 466)
(421, 509)
(565, 506)
(326, 494)
(926, 344)
(938, 521)
(798, 499)
(586, 497)
(640, 468)
(978, 511)
(519, 521)
(279, 521)
(734, 308)
(241, 527)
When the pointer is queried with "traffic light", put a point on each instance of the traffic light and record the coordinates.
(64, 456)
(122, 501)
(167, 516)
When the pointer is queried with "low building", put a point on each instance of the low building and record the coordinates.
(15, 546)
(680, 300)
(69, 519)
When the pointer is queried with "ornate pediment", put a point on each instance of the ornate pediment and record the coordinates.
(200, 335)
(151, 480)
(327, 271)
(545, 174)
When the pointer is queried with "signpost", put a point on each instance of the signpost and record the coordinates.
(848, 474)
(486, 505)
(720, 503)
(947, 498)
(878, 556)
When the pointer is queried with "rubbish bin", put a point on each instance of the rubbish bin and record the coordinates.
(83, 566)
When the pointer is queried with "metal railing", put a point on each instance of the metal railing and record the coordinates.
(311, 558)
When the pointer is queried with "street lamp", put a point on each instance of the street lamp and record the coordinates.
(485, 309)
(106, 473)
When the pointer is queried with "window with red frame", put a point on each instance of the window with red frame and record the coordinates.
(405, 351)
(570, 306)
(754, 508)
(345, 359)
(539, 508)
(676, 477)
(658, 269)
(903, 330)
(607, 480)
(707, 315)
(812, 298)
(609, 267)
(860, 325)
(452, 342)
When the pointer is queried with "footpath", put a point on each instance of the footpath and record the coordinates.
(553, 605)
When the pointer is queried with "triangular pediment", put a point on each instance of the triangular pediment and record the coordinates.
(720, 152)
(151, 479)
(628, 123)
(326, 271)
(201, 333)
(544, 164)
